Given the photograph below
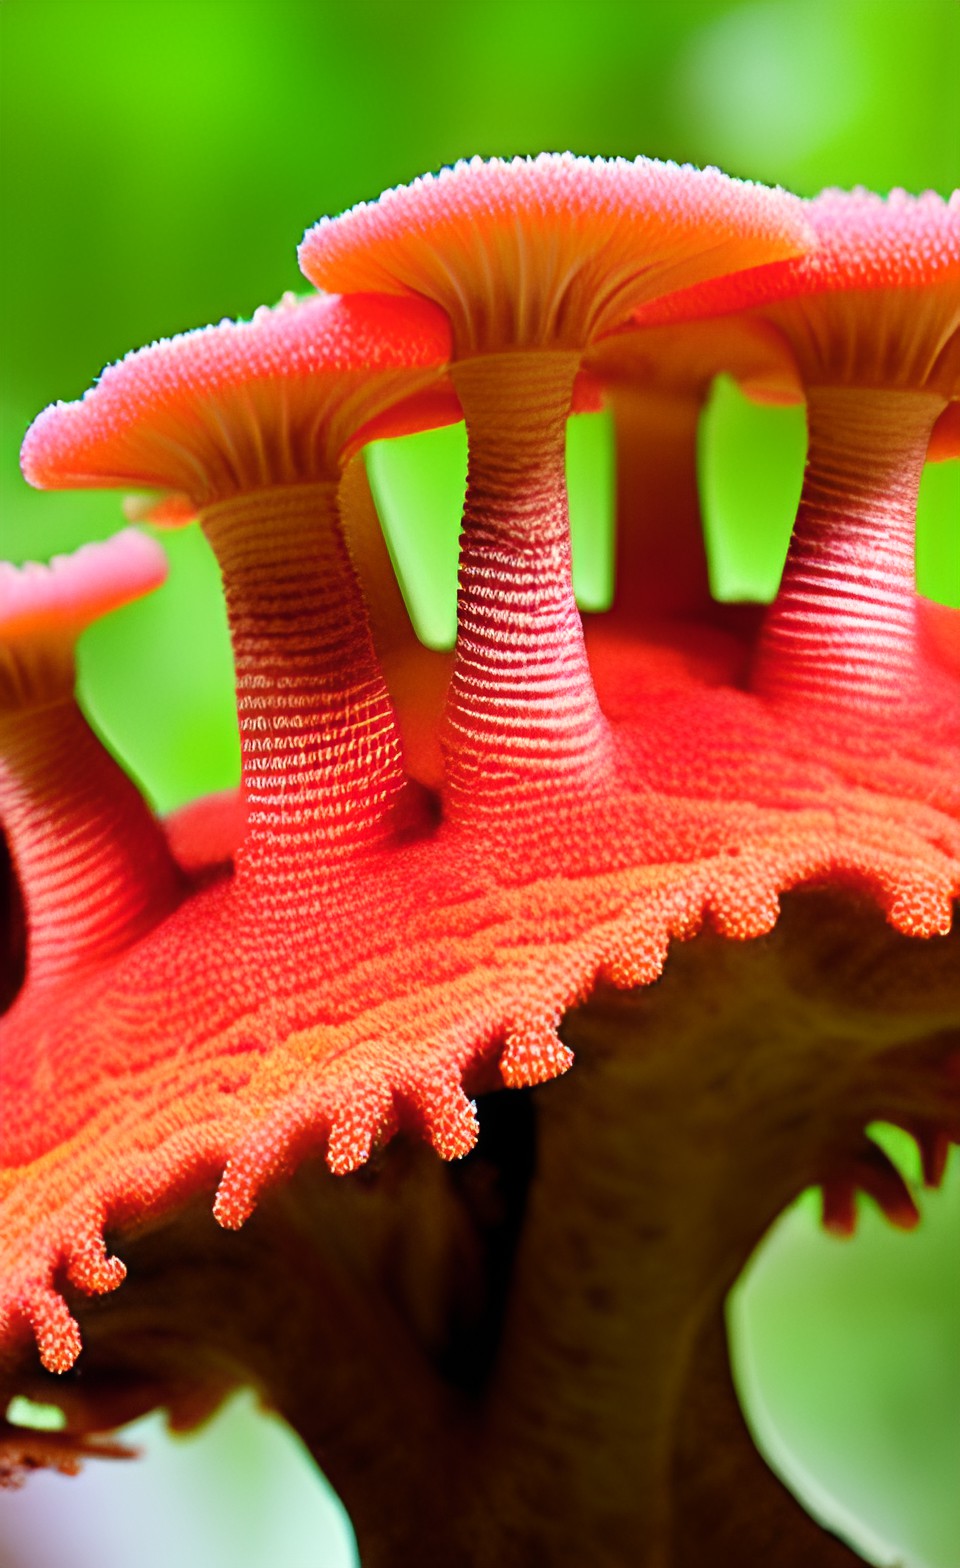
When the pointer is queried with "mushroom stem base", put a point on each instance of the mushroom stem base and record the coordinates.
(842, 634)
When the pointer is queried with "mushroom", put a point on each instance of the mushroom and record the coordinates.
(92, 863)
(533, 260)
(872, 317)
(495, 1359)
(248, 425)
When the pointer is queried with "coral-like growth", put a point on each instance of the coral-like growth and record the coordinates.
(344, 953)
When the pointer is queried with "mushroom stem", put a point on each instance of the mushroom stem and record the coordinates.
(521, 708)
(417, 677)
(602, 1320)
(320, 755)
(391, 628)
(646, 1201)
(661, 560)
(92, 861)
(842, 633)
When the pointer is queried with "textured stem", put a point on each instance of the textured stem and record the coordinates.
(320, 754)
(695, 1111)
(92, 861)
(842, 633)
(417, 677)
(522, 710)
(661, 560)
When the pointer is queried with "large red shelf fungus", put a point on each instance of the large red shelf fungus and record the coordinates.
(330, 974)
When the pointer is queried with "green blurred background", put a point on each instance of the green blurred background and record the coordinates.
(160, 160)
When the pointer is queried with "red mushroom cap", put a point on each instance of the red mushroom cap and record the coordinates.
(553, 250)
(243, 405)
(876, 303)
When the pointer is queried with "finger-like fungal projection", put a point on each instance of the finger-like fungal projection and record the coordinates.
(285, 1003)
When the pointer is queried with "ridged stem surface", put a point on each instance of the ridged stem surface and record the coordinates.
(320, 755)
(521, 709)
(842, 632)
(92, 862)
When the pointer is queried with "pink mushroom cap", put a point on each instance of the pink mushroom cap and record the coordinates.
(551, 251)
(75, 590)
(43, 609)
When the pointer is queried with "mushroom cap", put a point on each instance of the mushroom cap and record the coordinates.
(77, 589)
(875, 303)
(43, 609)
(868, 241)
(280, 399)
(551, 251)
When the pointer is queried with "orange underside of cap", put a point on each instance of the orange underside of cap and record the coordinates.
(683, 360)
(221, 1048)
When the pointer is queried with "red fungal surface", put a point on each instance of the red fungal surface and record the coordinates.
(363, 968)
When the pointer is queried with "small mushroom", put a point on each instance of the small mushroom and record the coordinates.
(93, 866)
(533, 260)
(657, 381)
(872, 317)
(247, 426)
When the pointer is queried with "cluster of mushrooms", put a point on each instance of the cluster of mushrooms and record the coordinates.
(689, 867)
